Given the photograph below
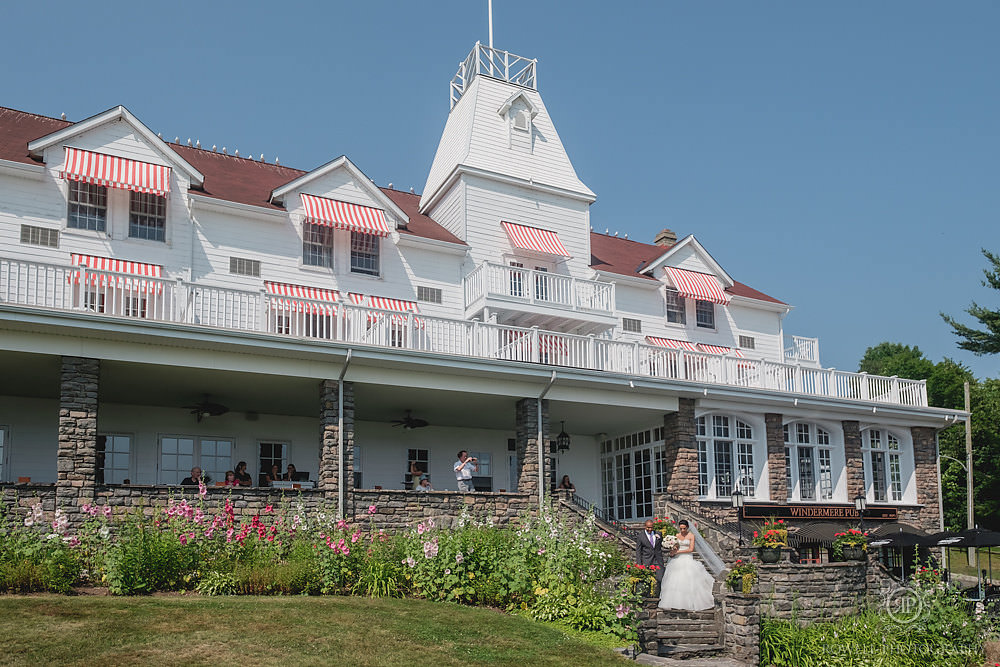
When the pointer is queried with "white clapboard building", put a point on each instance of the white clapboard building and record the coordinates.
(166, 305)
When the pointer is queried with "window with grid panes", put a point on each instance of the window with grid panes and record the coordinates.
(725, 456)
(113, 458)
(147, 216)
(270, 454)
(883, 466)
(317, 245)
(429, 294)
(88, 206)
(31, 235)
(809, 473)
(364, 253)
(675, 307)
(704, 312)
(358, 468)
(422, 459)
(747, 342)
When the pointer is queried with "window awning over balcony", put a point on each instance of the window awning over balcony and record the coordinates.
(298, 292)
(342, 215)
(719, 349)
(533, 238)
(672, 343)
(694, 285)
(116, 172)
(386, 303)
(117, 266)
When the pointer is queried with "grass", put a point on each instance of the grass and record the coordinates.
(958, 561)
(195, 630)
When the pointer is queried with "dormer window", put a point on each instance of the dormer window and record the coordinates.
(522, 121)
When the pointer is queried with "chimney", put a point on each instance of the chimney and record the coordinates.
(665, 238)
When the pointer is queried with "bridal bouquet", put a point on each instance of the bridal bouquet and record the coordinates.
(669, 542)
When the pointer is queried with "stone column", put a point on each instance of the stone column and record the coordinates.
(329, 460)
(76, 458)
(925, 463)
(526, 416)
(681, 456)
(741, 627)
(855, 464)
(777, 468)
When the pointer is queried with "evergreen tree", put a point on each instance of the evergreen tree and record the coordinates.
(987, 340)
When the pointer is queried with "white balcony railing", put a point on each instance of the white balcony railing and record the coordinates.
(113, 295)
(510, 283)
(494, 63)
(803, 350)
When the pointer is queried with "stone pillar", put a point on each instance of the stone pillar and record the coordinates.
(855, 464)
(526, 416)
(329, 460)
(741, 627)
(925, 463)
(76, 459)
(777, 471)
(681, 455)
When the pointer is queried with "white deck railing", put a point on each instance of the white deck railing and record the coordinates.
(115, 295)
(494, 63)
(511, 283)
(803, 350)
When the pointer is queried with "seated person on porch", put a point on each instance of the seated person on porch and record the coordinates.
(566, 484)
(231, 479)
(195, 478)
(417, 473)
(274, 475)
(425, 485)
(289, 475)
(464, 467)
(242, 476)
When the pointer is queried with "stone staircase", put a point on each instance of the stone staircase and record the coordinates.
(680, 634)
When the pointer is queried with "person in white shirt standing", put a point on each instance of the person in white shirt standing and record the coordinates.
(464, 467)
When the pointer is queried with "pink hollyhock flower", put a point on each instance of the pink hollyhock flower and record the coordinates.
(202, 489)
(341, 525)
(355, 537)
(107, 511)
(420, 529)
(269, 509)
(371, 509)
(183, 539)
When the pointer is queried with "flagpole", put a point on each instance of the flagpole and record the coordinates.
(491, 22)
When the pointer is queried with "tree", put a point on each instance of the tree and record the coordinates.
(896, 359)
(981, 341)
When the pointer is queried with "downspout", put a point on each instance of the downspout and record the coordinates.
(541, 444)
(340, 435)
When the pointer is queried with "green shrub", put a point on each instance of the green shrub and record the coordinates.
(144, 559)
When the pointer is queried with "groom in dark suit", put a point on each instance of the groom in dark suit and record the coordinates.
(649, 551)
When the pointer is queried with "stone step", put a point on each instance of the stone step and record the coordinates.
(689, 651)
(680, 614)
(686, 626)
(687, 638)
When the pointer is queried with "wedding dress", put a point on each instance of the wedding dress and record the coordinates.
(686, 583)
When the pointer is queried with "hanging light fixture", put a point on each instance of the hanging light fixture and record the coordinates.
(562, 440)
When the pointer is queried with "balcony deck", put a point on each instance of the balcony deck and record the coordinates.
(114, 295)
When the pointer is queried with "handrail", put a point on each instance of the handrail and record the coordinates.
(602, 514)
(108, 294)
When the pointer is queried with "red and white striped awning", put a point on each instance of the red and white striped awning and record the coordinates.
(719, 349)
(342, 215)
(386, 303)
(672, 343)
(116, 172)
(118, 266)
(694, 285)
(299, 292)
(533, 238)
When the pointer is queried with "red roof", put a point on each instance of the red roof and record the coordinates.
(612, 254)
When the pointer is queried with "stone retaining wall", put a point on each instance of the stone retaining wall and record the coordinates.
(810, 593)
(401, 509)
(16, 499)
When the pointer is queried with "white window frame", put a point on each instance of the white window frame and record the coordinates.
(130, 437)
(366, 254)
(142, 220)
(702, 308)
(893, 444)
(323, 249)
(632, 472)
(675, 307)
(195, 456)
(821, 441)
(286, 448)
(724, 435)
(102, 222)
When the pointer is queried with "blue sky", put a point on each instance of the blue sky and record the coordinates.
(842, 157)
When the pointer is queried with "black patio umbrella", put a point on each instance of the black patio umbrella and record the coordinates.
(978, 537)
(901, 540)
(945, 538)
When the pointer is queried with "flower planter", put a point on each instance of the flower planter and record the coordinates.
(769, 554)
(853, 553)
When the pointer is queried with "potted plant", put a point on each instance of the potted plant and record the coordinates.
(770, 539)
(742, 576)
(642, 578)
(851, 545)
(666, 526)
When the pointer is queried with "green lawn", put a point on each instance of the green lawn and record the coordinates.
(959, 562)
(190, 629)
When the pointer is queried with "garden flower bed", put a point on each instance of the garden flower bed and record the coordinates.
(544, 569)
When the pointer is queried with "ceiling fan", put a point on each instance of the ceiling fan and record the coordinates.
(409, 421)
(207, 408)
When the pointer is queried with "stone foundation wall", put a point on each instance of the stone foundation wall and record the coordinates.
(246, 501)
(397, 510)
(741, 627)
(17, 499)
(811, 593)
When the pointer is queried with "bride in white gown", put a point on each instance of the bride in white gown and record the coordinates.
(686, 583)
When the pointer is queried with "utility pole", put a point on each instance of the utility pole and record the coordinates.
(970, 508)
